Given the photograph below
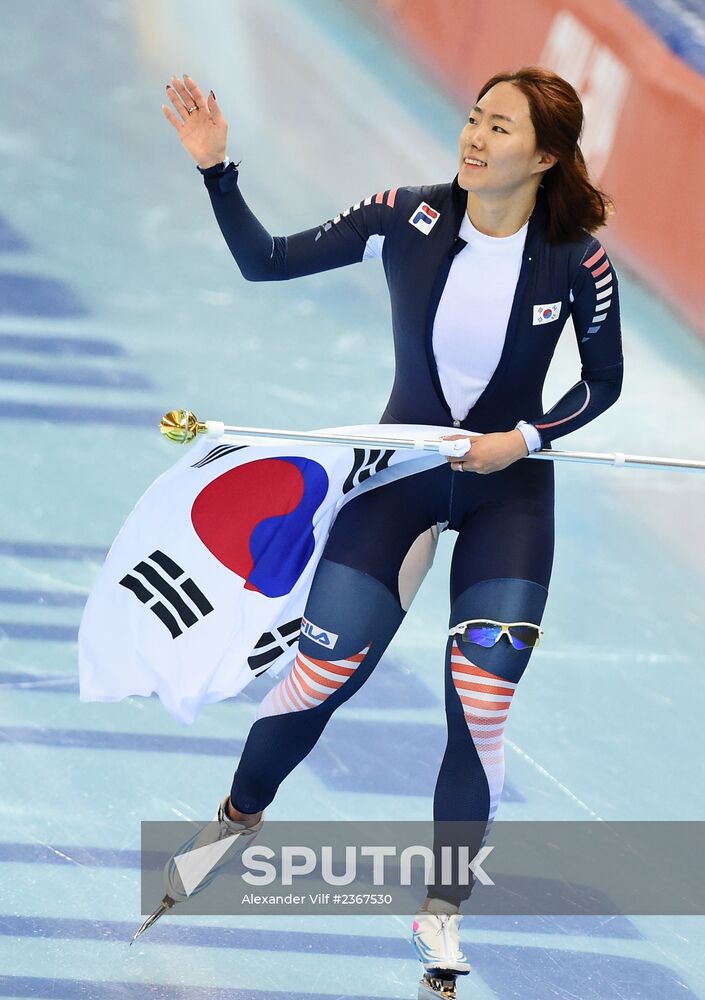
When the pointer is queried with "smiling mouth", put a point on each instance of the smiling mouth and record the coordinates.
(470, 161)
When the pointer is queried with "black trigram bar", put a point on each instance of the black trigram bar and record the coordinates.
(162, 613)
(172, 568)
(173, 611)
(220, 451)
(188, 586)
(367, 462)
(272, 644)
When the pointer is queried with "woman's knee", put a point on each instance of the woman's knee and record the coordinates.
(349, 620)
(503, 600)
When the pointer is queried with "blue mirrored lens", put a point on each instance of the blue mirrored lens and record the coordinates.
(483, 635)
(523, 637)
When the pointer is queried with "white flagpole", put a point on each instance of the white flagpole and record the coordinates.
(183, 426)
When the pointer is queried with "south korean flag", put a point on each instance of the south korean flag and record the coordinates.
(206, 584)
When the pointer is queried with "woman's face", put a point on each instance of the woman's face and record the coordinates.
(498, 153)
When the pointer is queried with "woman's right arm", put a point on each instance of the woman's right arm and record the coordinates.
(352, 236)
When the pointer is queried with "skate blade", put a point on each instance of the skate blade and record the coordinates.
(166, 904)
(433, 988)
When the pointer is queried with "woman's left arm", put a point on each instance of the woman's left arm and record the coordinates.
(595, 312)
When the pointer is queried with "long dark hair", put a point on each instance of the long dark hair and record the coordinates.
(574, 203)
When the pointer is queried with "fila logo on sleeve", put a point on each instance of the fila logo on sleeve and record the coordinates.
(547, 313)
(424, 218)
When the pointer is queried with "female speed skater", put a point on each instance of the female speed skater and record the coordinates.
(483, 273)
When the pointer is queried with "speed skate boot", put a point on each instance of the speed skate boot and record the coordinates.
(437, 944)
(191, 868)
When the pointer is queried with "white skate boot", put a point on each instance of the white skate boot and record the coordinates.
(437, 944)
(198, 861)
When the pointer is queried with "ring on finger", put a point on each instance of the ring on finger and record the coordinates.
(191, 110)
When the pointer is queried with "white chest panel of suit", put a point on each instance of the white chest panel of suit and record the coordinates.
(472, 316)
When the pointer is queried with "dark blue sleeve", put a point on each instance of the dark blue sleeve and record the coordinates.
(263, 257)
(595, 312)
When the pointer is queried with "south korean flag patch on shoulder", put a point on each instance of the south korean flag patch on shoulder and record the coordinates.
(547, 313)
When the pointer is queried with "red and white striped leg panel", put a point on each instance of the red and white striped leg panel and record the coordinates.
(309, 683)
(486, 699)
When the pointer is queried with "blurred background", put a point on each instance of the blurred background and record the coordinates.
(119, 300)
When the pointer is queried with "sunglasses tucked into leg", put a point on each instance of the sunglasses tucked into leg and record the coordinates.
(485, 632)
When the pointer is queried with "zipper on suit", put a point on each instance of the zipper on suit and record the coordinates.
(512, 331)
(436, 293)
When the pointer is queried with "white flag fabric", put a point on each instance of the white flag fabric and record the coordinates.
(205, 585)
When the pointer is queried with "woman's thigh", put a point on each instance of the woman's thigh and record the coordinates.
(390, 533)
(502, 562)
(379, 549)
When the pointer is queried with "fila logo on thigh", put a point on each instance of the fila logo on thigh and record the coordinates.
(327, 639)
(424, 218)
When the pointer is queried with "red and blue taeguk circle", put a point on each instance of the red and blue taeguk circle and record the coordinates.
(257, 519)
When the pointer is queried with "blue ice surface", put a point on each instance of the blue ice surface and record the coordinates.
(34, 295)
(11, 241)
(118, 302)
(28, 343)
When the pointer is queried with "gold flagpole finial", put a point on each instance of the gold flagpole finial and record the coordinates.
(181, 426)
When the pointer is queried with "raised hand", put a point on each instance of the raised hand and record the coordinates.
(198, 120)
